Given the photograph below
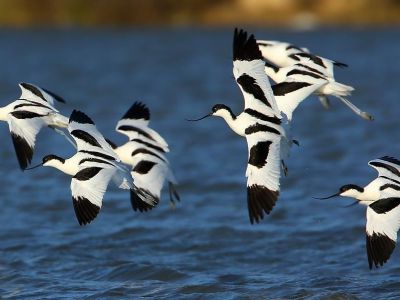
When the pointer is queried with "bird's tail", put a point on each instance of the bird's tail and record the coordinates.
(338, 89)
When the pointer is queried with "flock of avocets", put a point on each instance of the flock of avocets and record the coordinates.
(140, 164)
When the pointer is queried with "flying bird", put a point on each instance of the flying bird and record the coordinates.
(27, 115)
(283, 54)
(145, 153)
(259, 123)
(382, 198)
(297, 82)
(91, 167)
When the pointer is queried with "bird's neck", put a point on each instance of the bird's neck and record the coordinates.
(233, 122)
(66, 167)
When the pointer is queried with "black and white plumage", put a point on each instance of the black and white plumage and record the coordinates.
(27, 115)
(382, 198)
(91, 168)
(282, 54)
(259, 123)
(295, 83)
(144, 152)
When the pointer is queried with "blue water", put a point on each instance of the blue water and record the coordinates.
(206, 247)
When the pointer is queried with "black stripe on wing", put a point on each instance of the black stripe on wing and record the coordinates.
(95, 160)
(144, 167)
(33, 89)
(390, 179)
(80, 117)
(150, 145)
(305, 73)
(379, 249)
(135, 129)
(138, 204)
(137, 111)
(99, 154)
(283, 88)
(259, 153)
(382, 165)
(249, 85)
(294, 47)
(260, 127)
(262, 117)
(23, 150)
(391, 160)
(259, 200)
(383, 206)
(85, 210)
(87, 173)
(146, 151)
(395, 187)
(55, 96)
(29, 103)
(25, 114)
(340, 64)
(315, 59)
(245, 48)
(86, 137)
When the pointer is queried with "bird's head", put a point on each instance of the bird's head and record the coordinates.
(348, 190)
(52, 160)
(219, 110)
(49, 161)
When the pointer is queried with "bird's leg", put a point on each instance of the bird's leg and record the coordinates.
(60, 131)
(354, 108)
(324, 101)
(173, 193)
(284, 168)
(296, 142)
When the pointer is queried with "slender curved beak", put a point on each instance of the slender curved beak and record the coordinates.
(324, 198)
(194, 120)
(34, 167)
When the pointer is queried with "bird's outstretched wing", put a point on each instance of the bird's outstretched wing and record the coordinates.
(24, 127)
(32, 92)
(249, 73)
(383, 222)
(134, 124)
(263, 135)
(263, 173)
(299, 84)
(86, 135)
(387, 167)
(88, 187)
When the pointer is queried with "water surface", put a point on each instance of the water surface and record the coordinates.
(306, 249)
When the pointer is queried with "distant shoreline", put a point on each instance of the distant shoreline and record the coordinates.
(301, 14)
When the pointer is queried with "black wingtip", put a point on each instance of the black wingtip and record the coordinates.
(85, 210)
(245, 48)
(80, 117)
(379, 249)
(259, 200)
(54, 95)
(23, 150)
(137, 111)
(340, 65)
(390, 159)
(138, 204)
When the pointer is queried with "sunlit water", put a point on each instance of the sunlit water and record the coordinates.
(306, 249)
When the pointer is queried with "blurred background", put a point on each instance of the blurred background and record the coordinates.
(176, 57)
(288, 13)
